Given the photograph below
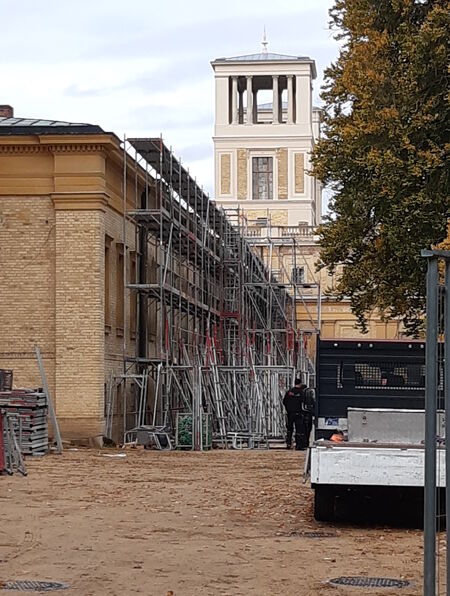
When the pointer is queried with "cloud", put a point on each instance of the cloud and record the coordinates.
(143, 68)
(196, 152)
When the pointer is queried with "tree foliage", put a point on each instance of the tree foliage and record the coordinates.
(384, 152)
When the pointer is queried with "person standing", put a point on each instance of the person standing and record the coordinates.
(295, 409)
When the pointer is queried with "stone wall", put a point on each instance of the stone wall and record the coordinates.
(242, 173)
(225, 173)
(282, 155)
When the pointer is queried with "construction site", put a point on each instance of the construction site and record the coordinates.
(152, 338)
(226, 342)
(211, 341)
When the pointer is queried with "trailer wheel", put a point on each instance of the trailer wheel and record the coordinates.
(324, 497)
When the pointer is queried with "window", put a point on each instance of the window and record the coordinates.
(108, 241)
(119, 291)
(382, 376)
(298, 275)
(389, 375)
(262, 178)
(133, 296)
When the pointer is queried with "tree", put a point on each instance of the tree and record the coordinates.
(384, 153)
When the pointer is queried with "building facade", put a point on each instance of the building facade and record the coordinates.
(61, 263)
(262, 148)
(119, 267)
(265, 130)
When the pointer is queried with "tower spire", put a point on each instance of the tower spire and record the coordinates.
(264, 42)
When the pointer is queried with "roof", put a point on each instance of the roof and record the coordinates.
(269, 106)
(27, 126)
(267, 57)
(263, 57)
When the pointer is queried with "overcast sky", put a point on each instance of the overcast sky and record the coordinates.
(142, 67)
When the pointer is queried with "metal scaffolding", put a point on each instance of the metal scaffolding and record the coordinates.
(216, 330)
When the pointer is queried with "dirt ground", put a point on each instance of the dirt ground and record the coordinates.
(181, 524)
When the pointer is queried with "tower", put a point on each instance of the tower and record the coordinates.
(265, 129)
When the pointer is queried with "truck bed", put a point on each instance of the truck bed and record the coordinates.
(372, 464)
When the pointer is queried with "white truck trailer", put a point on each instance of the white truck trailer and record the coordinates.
(371, 395)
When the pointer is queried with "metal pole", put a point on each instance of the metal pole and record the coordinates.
(196, 409)
(124, 283)
(51, 409)
(447, 406)
(429, 575)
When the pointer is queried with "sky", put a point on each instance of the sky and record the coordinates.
(141, 67)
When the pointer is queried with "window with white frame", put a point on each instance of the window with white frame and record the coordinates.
(262, 178)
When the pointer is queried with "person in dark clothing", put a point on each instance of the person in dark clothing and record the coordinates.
(294, 402)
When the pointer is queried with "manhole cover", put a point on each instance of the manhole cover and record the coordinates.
(370, 582)
(313, 534)
(32, 586)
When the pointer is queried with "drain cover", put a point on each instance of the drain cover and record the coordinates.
(313, 534)
(317, 534)
(32, 586)
(370, 582)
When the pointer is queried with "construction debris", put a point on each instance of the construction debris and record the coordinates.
(6, 379)
(11, 459)
(27, 411)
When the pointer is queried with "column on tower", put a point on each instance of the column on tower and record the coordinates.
(255, 106)
(241, 105)
(276, 105)
(234, 106)
(290, 100)
(280, 101)
(249, 99)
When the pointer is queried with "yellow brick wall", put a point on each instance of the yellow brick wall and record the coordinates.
(225, 173)
(254, 214)
(282, 156)
(79, 316)
(113, 336)
(242, 173)
(299, 173)
(27, 288)
(279, 217)
(54, 217)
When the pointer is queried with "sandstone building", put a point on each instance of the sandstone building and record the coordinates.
(136, 287)
(265, 129)
(61, 257)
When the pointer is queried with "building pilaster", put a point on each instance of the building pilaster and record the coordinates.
(249, 99)
(79, 311)
(290, 100)
(234, 106)
(276, 105)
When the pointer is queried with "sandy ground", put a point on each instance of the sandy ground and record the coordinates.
(216, 523)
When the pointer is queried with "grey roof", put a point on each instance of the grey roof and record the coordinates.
(269, 106)
(268, 57)
(263, 57)
(35, 122)
(17, 126)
